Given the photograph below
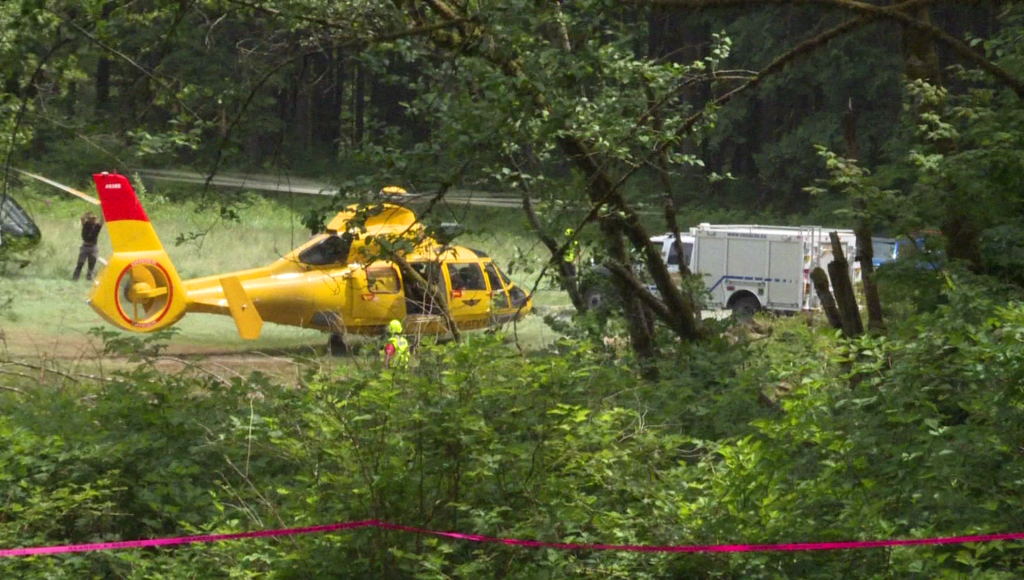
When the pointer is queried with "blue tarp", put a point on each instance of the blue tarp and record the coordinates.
(16, 224)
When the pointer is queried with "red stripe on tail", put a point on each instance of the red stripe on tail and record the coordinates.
(118, 198)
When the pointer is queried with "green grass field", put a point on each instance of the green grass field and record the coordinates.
(48, 317)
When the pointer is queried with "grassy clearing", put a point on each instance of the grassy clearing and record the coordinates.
(48, 317)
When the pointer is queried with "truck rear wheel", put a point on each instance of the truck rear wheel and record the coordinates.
(745, 307)
(596, 298)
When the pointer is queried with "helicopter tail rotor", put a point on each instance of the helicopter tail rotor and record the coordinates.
(139, 290)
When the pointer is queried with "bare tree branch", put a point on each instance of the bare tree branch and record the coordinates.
(71, 377)
(557, 253)
(623, 273)
(16, 374)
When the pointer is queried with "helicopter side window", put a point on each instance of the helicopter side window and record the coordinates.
(504, 278)
(428, 270)
(516, 295)
(382, 280)
(493, 278)
(331, 250)
(466, 277)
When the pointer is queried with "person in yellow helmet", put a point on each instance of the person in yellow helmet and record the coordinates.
(571, 255)
(396, 348)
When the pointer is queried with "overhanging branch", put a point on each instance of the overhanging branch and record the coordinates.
(650, 300)
(773, 67)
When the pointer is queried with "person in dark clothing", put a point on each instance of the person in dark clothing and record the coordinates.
(91, 226)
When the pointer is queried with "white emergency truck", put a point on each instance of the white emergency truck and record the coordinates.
(747, 268)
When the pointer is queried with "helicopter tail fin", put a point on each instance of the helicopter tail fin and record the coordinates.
(139, 290)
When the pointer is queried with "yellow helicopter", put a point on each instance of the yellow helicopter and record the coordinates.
(338, 281)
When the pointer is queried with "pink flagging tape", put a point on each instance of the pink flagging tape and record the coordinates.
(791, 547)
(160, 542)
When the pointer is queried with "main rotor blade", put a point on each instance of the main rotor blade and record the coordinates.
(284, 184)
(61, 186)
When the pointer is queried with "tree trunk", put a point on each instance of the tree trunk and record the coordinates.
(359, 105)
(828, 304)
(325, 101)
(865, 255)
(103, 69)
(865, 248)
(641, 339)
(388, 97)
(962, 236)
(668, 203)
(102, 86)
(921, 62)
(842, 287)
(602, 191)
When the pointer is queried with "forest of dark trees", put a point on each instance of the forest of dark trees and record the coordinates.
(323, 89)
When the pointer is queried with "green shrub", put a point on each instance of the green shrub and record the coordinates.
(799, 436)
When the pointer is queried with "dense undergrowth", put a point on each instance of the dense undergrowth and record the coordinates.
(793, 437)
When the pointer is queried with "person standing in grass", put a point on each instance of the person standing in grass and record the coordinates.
(91, 226)
(396, 348)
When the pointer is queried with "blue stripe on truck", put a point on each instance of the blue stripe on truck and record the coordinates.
(751, 278)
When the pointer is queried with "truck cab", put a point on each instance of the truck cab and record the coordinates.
(672, 253)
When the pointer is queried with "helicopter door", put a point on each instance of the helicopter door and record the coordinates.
(501, 306)
(499, 294)
(506, 298)
(467, 294)
(381, 299)
(417, 299)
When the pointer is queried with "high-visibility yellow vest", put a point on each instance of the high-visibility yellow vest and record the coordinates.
(400, 359)
(570, 252)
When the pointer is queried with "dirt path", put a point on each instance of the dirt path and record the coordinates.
(83, 353)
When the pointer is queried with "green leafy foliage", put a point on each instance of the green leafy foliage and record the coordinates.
(867, 201)
(136, 348)
(793, 437)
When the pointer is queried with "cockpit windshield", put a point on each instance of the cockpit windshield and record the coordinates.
(333, 249)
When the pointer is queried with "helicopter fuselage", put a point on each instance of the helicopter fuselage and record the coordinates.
(339, 281)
